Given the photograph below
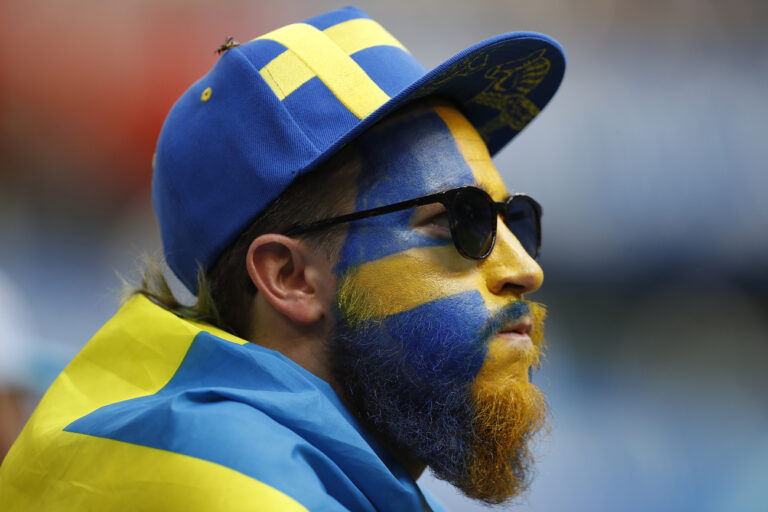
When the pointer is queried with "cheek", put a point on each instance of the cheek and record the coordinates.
(426, 306)
(416, 276)
(442, 338)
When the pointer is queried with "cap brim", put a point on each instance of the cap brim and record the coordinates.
(500, 84)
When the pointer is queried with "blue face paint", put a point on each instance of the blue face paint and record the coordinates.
(406, 157)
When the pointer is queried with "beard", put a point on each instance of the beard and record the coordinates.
(425, 390)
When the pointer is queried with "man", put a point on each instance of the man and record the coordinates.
(369, 314)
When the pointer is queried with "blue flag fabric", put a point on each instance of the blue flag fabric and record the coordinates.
(159, 413)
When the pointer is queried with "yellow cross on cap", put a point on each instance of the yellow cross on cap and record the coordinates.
(326, 55)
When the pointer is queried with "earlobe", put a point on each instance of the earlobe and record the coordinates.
(282, 269)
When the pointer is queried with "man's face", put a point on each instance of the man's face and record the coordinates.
(433, 349)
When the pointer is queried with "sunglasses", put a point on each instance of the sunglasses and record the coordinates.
(472, 217)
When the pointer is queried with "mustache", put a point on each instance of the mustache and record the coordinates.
(510, 313)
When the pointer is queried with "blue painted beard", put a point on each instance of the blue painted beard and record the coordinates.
(409, 378)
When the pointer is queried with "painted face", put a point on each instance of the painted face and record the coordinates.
(424, 334)
(406, 260)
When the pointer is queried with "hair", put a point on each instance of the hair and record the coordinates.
(225, 292)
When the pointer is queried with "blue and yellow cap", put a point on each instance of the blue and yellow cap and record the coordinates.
(274, 108)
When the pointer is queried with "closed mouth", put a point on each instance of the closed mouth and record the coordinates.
(518, 331)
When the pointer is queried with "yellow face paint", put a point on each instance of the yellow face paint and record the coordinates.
(442, 272)
(474, 150)
(505, 361)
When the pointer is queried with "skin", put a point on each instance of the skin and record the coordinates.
(405, 260)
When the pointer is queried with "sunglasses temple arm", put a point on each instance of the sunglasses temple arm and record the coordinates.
(404, 205)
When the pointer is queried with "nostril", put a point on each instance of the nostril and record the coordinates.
(515, 283)
(508, 288)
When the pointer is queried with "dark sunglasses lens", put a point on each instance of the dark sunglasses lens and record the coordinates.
(522, 218)
(474, 220)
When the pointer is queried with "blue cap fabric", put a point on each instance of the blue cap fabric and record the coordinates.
(276, 107)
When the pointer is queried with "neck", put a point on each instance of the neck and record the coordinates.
(307, 348)
(303, 344)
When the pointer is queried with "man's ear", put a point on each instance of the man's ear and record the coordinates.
(291, 276)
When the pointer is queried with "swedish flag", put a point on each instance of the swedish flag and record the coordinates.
(159, 413)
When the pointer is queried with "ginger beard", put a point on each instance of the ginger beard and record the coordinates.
(470, 422)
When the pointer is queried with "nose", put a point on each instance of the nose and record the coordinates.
(509, 269)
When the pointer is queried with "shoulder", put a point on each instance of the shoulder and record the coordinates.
(185, 448)
(222, 410)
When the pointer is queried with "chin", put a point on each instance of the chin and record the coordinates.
(506, 415)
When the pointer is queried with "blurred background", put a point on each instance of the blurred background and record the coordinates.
(650, 163)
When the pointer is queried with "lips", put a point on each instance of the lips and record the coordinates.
(518, 332)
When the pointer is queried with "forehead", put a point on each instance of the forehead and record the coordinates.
(423, 149)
